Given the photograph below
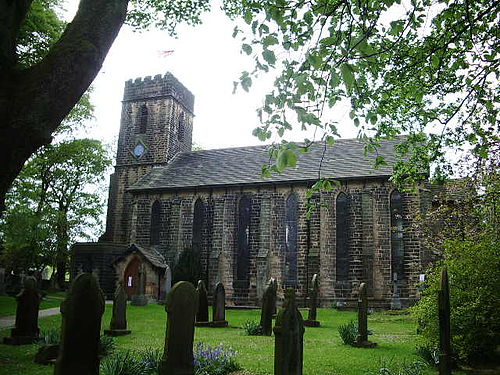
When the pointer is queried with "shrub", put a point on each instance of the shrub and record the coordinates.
(474, 271)
(348, 333)
(49, 336)
(252, 328)
(214, 361)
(107, 345)
(123, 363)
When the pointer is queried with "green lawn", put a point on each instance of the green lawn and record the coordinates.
(8, 304)
(324, 352)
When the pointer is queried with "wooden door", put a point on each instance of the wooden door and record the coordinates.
(131, 277)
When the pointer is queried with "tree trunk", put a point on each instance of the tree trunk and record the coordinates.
(62, 241)
(34, 101)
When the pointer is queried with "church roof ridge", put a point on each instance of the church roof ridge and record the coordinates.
(346, 159)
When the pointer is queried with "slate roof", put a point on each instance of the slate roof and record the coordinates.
(153, 256)
(242, 165)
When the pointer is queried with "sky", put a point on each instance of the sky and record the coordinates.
(207, 60)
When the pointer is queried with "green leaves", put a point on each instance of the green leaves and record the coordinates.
(348, 76)
(269, 56)
(286, 158)
(247, 48)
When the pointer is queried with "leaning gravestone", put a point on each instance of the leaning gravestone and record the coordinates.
(445, 355)
(313, 304)
(289, 332)
(268, 307)
(202, 314)
(362, 339)
(28, 303)
(181, 306)
(219, 307)
(139, 299)
(118, 325)
(81, 324)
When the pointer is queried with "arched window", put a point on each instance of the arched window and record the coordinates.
(180, 128)
(243, 254)
(198, 215)
(291, 214)
(154, 233)
(143, 119)
(342, 236)
(397, 240)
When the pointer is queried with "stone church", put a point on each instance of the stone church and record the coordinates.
(166, 200)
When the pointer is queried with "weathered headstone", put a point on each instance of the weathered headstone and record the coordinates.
(219, 307)
(118, 325)
(81, 325)
(181, 306)
(396, 298)
(139, 299)
(168, 279)
(268, 307)
(313, 304)
(28, 302)
(362, 339)
(2, 281)
(202, 319)
(289, 342)
(445, 355)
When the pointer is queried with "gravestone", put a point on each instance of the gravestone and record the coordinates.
(139, 299)
(47, 354)
(275, 295)
(396, 297)
(181, 306)
(118, 325)
(28, 302)
(81, 325)
(2, 281)
(289, 342)
(268, 307)
(219, 307)
(202, 319)
(445, 355)
(313, 304)
(168, 279)
(362, 339)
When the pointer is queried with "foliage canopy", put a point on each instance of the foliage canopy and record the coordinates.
(426, 68)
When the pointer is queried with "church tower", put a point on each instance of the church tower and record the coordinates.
(156, 124)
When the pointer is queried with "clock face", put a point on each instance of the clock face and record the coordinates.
(139, 150)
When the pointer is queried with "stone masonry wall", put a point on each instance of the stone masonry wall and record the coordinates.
(369, 242)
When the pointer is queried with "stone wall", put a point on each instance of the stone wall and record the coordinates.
(369, 243)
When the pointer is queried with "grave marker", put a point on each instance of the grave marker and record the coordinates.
(313, 304)
(445, 358)
(289, 333)
(118, 325)
(362, 339)
(181, 306)
(28, 302)
(219, 307)
(268, 308)
(202, 319)
(81, 325)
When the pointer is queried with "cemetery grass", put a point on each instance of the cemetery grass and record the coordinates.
(324, 352)
(8, 304)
